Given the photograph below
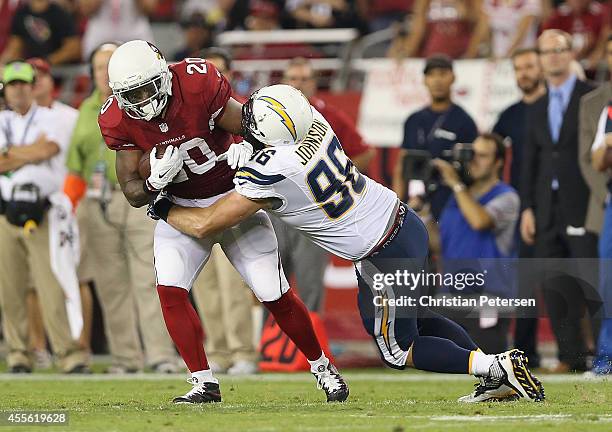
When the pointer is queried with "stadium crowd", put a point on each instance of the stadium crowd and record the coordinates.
(537, 184)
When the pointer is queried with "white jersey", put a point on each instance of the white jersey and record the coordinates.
(321, 193)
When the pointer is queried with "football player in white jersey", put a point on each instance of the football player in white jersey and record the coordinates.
(304, 178)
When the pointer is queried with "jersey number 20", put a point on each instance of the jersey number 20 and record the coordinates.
(331, 185)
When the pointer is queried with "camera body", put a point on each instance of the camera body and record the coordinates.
(417, 165)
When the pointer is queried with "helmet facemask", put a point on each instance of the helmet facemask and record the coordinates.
(249, 132)
(145, 100)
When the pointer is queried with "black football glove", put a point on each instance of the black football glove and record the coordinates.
(160, 207)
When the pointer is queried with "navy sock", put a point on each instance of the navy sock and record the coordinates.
(433, 324)
(434, 354)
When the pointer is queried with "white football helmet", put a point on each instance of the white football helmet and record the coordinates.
(140, 79)
(277, 115)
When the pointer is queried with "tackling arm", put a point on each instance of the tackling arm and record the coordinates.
(225, 213)
(132, 185)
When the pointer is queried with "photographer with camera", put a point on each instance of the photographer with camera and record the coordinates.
(434, 129)
(479, 221)
(31, 172)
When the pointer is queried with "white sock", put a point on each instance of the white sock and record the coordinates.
(204, 376)
(321, 361)
(480, 363)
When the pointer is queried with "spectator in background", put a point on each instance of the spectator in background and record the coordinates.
(7, 10)
(263, 15)
(222, 297)
(511, 125)
(451, 27)
(383, 13)
(44, 96)
(117, 240)
(555, 196)
(239, 11)
(512, 121)
(298, 254)
(435, 128)
(198, 35)
(480, 221)
(589, 24)
(323, 14)
(266, 15)
(41, 28)
(513, 24)
(30, 135)
(602, 142)
(116, 20)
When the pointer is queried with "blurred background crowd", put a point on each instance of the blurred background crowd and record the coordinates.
(490, 118)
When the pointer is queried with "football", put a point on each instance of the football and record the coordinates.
(144, 166)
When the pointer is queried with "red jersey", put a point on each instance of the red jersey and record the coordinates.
(199, 96)
(344, 128)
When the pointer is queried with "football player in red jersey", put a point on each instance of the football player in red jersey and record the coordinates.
(189, 106)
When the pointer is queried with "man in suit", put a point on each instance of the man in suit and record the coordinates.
(602, 364)
(591, 106)
(555, 195)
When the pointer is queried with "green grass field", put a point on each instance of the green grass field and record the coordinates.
(379, 401)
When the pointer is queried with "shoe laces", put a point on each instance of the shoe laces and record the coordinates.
(486, 383)
(329, 380)
(197, 386)
(496, 371)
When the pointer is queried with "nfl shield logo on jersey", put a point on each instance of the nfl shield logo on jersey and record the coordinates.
(163, 127)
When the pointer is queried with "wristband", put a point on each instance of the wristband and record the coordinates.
(162, 208)
(146, 186)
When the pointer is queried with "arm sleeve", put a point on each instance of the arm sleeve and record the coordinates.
(504, 210)
(600, 135)
(219, 91)
(410, 134)
(112, 127)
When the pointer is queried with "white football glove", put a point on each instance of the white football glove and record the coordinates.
(165, 169)
(237, 155)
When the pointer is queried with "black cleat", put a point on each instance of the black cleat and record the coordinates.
(80, 369)
(330, 380)
(20, 369)
(202, 392)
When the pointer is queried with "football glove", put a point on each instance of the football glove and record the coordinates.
(165, 169)
(160, 207)
(237, 155)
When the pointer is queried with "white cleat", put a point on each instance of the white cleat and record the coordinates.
(330, 380)
(490, 390)
(510, 368)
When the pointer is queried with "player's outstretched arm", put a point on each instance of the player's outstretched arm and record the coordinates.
(131, 184)
(225, 213)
